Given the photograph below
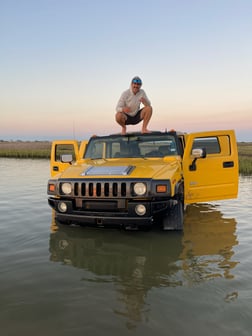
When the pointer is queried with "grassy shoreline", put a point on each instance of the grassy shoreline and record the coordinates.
(25, 149)
(42, 149)
(245, 157)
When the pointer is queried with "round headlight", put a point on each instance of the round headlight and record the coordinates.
(140, 209)
(140, 188)
(66, 188)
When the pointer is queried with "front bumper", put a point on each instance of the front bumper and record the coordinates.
(104, 221)
(104, 216)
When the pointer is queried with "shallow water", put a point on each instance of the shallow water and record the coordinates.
(76, 281)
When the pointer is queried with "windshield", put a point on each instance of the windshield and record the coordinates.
(131, 146)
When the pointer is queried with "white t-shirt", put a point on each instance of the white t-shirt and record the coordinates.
(131, 100)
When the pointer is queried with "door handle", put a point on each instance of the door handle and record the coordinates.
(228, 164)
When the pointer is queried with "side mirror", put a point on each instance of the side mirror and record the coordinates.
(197, 153)
(66, 158)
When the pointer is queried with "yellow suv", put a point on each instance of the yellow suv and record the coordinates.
(139, 180)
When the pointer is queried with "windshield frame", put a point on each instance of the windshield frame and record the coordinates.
(133, 145)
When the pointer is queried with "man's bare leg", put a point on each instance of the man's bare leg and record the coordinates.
(145, 116)
(123, 130)
(120, 119)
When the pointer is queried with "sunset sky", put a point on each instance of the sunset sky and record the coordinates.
(65, 63)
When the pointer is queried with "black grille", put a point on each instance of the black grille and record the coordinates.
(101, 189)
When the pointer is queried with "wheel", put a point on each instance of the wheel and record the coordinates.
(174, 219)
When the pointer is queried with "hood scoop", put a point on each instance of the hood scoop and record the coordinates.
(114, 170)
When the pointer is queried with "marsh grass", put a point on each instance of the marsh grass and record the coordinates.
(42, 149)
(245, 158)
(25, 149)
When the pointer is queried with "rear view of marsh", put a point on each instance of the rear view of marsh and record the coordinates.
(75, 281)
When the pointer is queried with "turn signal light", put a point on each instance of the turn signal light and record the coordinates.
(51, 187)
(162, 188)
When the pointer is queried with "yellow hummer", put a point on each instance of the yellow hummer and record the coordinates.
(139, 180)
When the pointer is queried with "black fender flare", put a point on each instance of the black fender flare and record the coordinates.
(179, 191)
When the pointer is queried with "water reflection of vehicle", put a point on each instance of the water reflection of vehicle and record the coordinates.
(208, 243)
(136, 262)
(139, 255)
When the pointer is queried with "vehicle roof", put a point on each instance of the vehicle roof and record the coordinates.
(133, 134)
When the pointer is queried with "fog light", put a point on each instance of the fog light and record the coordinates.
(140, 209)
(62, 207)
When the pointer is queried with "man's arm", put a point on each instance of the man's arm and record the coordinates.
(121, 103)
(144, 99)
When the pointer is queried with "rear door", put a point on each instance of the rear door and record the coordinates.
(59, 148)
(216, 176)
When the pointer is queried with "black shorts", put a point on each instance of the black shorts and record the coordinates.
(133, 120)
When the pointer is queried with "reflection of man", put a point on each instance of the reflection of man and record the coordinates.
(128, 111)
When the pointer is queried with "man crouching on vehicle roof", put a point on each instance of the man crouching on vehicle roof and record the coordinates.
(128, 111)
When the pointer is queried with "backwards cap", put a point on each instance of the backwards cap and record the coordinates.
(136, 80)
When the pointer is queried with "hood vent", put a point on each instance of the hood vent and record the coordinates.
(113, 170)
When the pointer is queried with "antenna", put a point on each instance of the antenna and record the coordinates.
(73, 130)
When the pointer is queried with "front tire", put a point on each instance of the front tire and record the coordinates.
(175, 218)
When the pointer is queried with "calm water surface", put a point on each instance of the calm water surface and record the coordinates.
(78, 281)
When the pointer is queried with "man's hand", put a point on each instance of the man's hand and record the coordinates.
(126, 109)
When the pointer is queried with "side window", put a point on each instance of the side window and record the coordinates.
(64, 149)
(211, 144)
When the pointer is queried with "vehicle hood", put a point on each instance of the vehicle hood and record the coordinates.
(124, 168)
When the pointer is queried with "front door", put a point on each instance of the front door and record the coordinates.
(216, 176)
(59, 148)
